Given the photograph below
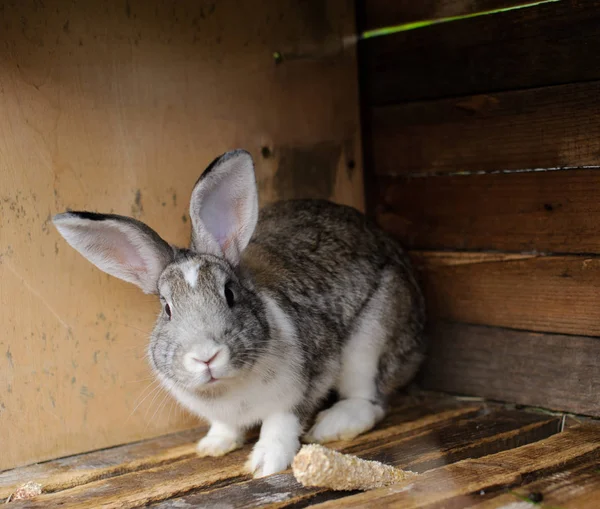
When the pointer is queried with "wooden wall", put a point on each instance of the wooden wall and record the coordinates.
(118, 105)
(483, 143)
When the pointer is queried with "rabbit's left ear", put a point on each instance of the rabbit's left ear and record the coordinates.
(224, 206)
(120, 246)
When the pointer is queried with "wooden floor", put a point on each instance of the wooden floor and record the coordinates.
(470, 454)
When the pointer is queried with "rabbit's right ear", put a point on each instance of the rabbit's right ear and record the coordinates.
(224, 206)
(120, 246)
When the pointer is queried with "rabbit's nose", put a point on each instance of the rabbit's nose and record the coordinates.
(197, 362)
(208, 361)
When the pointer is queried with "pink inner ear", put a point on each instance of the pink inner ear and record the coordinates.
(224, 208)
(116, 247)
(134, 263)
(224, 244)
(236, 219)
(221, 214)
(120, 247)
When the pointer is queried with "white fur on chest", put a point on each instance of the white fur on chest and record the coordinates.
(247, 404)
(255, 397)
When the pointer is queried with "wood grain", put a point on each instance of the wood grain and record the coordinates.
(65, 473)
(409, 415)
(551, 127)
(546, 370)
(279, 490)
(383, 13)
(536, 293)
(118, 106)
(137, 489)
(452, 432)
(514, 50)
(553, 212)
(504, 469)
(577, 487)
(465, 436)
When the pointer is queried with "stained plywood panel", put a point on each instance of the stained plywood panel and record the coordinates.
(118, 106)
(551, 127)
(553, 371)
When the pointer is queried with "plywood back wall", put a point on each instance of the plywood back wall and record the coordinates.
(118, 106)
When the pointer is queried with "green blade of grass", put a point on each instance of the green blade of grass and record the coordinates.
(414, 25)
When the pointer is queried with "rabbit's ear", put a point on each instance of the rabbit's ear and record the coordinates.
(120, 246)
(224, 206)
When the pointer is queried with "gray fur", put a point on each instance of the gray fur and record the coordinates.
(322, 262)
(330, 270)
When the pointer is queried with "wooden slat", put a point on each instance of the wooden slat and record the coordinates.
(65, 473)
(551, 127)
(467, 438)
(438, 487)
(408, 412)
(136, 489)
(427, 448)
(553, 211)
(278, 490)
(546, 370)
(407, 415)
(537, 293)
(554, 43)
(577, 487)
(436, 439)
(383, 13)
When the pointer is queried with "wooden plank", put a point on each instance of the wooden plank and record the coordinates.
(137, 489)
(469, 438)
(409, 414)
(118, 105)
(448, 439)
(466, 437)
(535, 293)
(278, 490)
(507, 468)
(577, 487)
(65, 473)
(519, 49)
(552, 212)
(384, 13)
(546, 370)
(551, 127)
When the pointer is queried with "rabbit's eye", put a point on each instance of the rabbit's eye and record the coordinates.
(229, 296)
(168, 310)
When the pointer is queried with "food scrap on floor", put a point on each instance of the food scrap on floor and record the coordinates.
(318, 466)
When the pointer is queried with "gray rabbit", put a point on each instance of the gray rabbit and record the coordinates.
(268, 312)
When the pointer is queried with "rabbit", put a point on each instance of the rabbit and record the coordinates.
(265, 314)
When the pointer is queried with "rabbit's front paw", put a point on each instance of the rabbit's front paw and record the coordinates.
(345, 420)
(220, 440)
(279, 441)
(217, 446)
(270, 457)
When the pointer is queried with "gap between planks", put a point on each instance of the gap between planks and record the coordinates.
(469, 477)
(402, 438)
(417, 451)
(65, 473)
